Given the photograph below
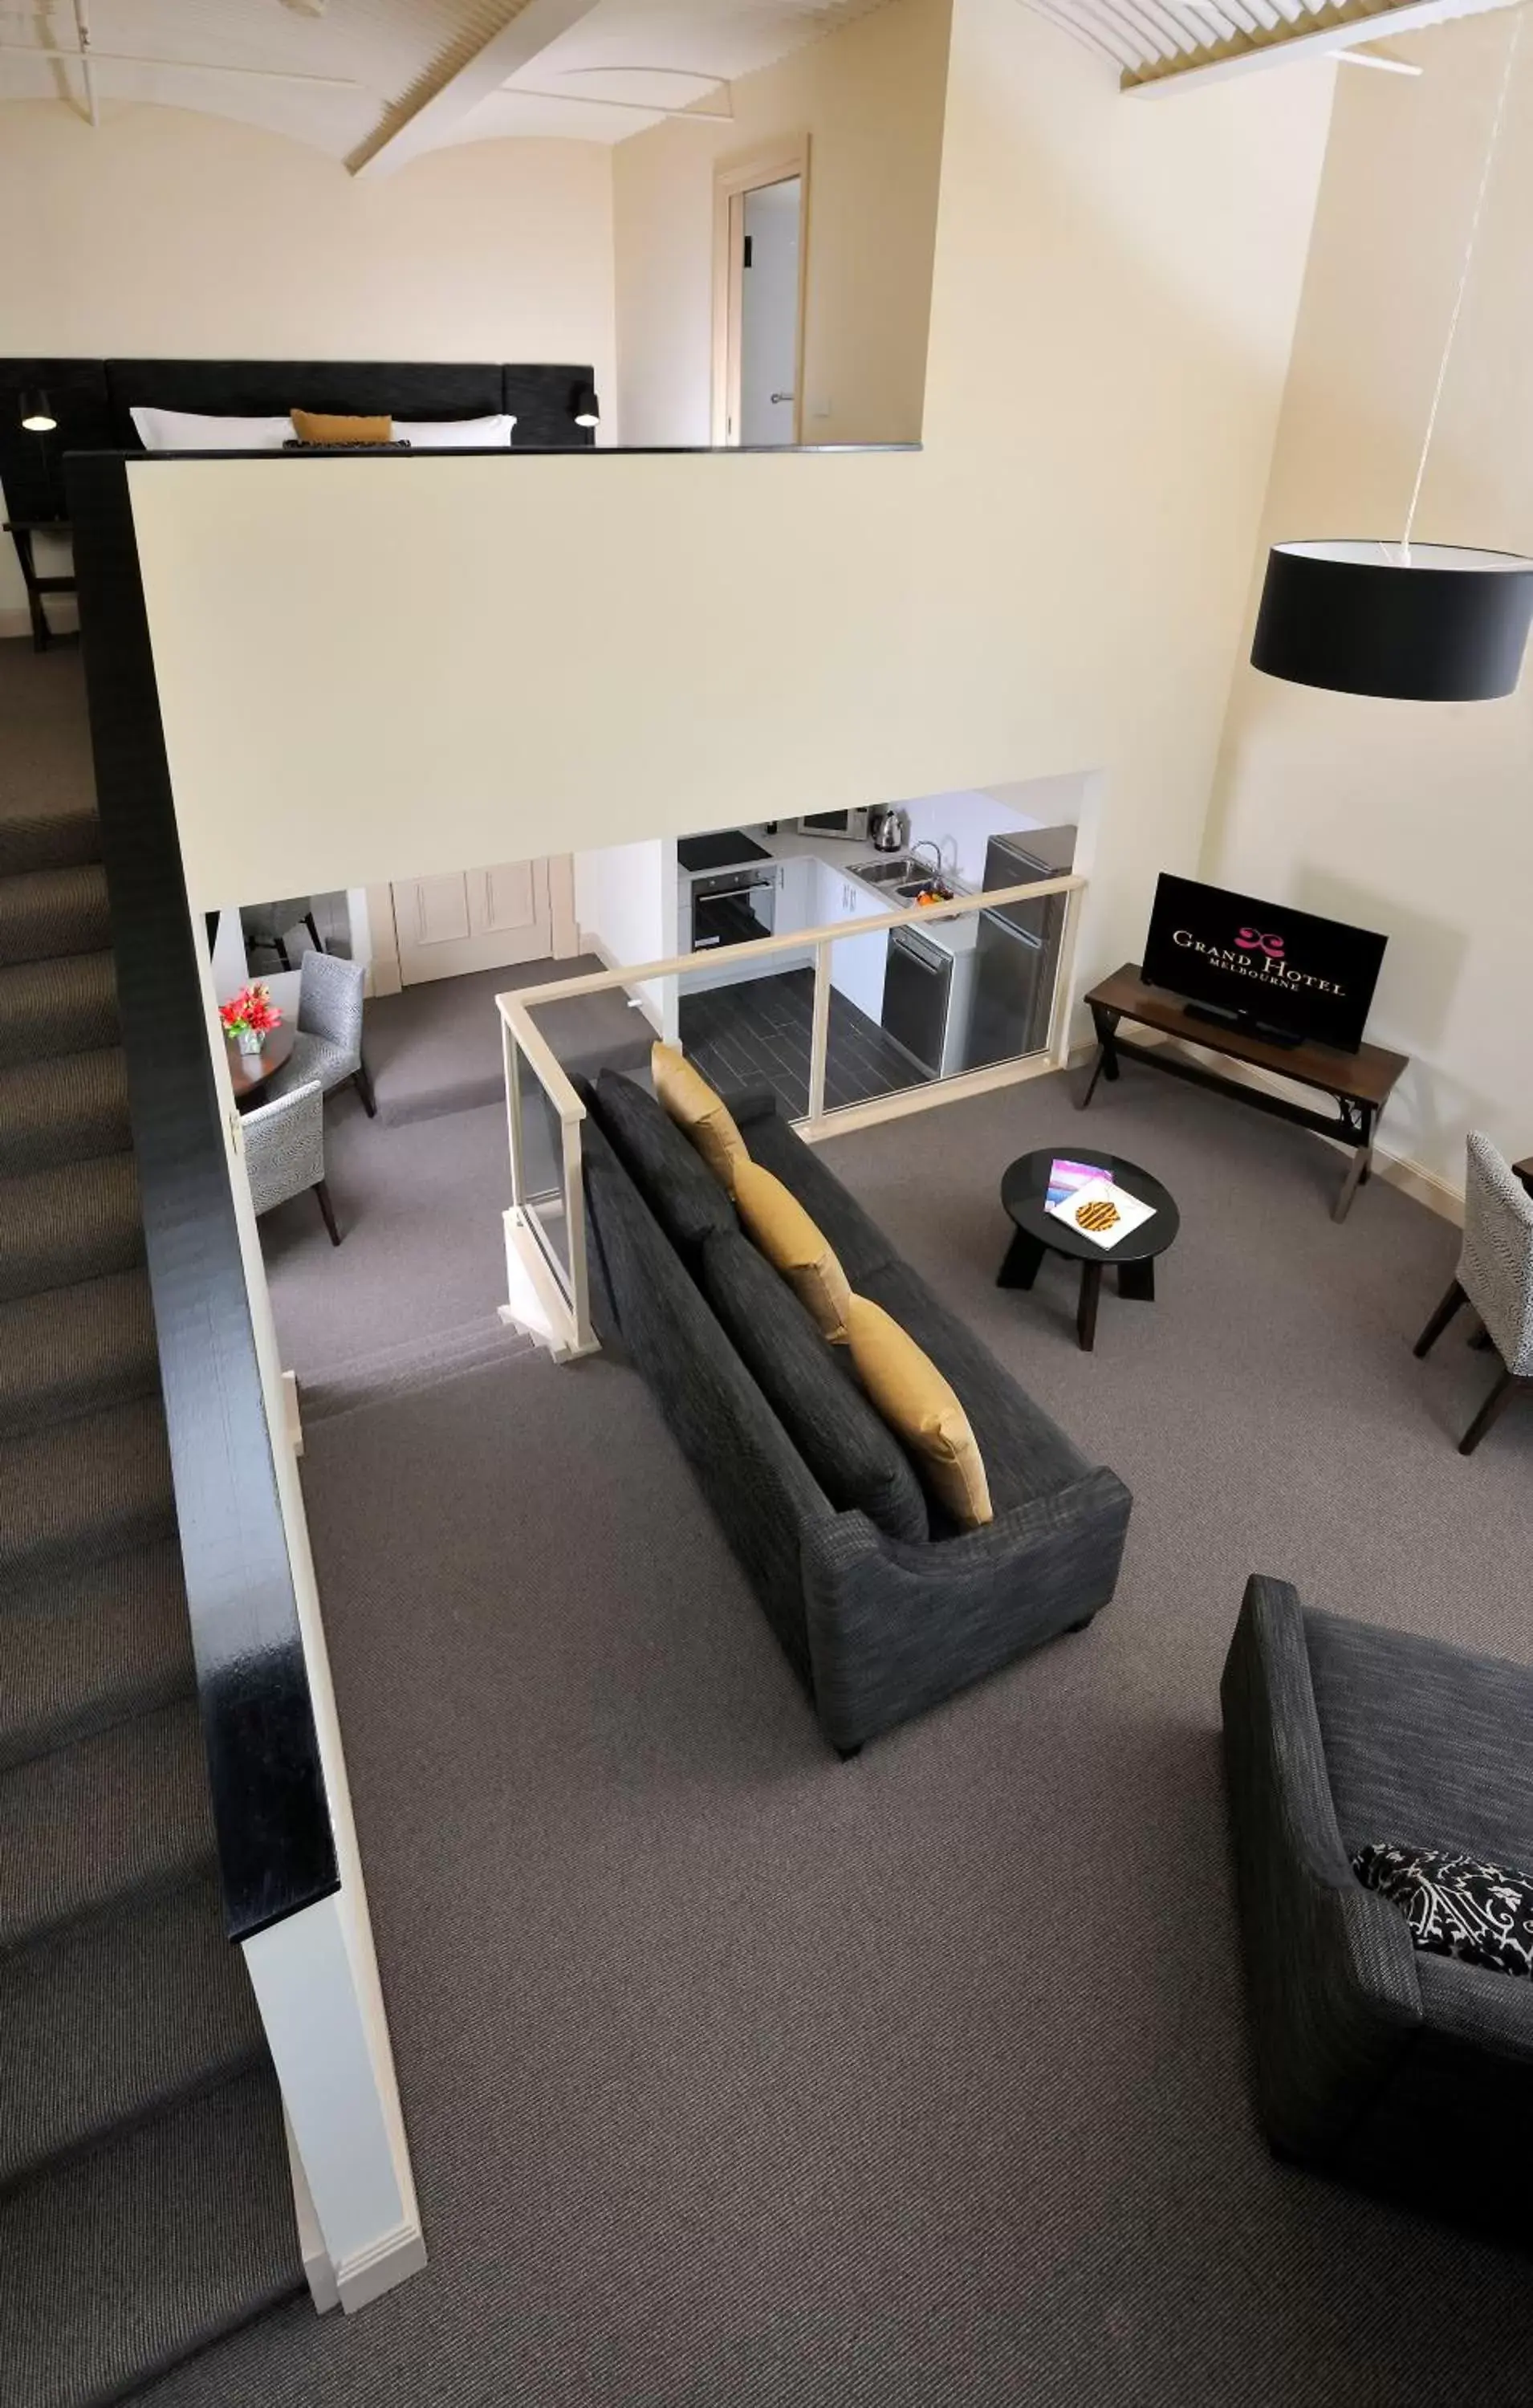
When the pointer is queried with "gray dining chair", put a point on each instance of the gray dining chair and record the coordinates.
(267, 924)
(1494, 1276)
(284, 1152)
(327, 1041)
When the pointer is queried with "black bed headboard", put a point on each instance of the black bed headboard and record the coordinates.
(93, 398)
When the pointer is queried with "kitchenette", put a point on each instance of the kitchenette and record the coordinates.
(924, 1000)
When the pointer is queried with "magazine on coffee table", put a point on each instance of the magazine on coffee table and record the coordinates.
(1098, 1209)
(1066, 1177)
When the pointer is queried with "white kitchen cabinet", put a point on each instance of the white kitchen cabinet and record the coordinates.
(856, 963)
(798, 899)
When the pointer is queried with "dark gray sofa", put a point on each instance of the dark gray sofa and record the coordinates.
(878, 1626)
(1408, 2072)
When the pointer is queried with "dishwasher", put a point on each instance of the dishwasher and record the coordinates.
(917, 993)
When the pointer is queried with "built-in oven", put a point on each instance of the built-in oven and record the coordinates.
(734, 906)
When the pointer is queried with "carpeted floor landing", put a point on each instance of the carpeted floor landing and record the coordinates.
(739, 2078)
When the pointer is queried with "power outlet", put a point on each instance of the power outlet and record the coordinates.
(819, 406)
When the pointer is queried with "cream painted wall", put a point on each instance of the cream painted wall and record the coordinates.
(1417, 819)
(1056, 584)
(870, 99)
(171, 234)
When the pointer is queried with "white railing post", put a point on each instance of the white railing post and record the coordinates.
(513, 1114)
(819, 1032)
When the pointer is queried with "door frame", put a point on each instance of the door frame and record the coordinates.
(732, 181)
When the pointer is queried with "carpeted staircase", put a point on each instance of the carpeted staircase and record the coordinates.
(145, 2201)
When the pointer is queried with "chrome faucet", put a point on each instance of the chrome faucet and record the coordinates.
(928, 844)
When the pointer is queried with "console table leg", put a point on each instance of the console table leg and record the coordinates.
(1136, 1281)
(1023, 1257)
(1085, 1318)
(1107, 1053)
(1362, 1162)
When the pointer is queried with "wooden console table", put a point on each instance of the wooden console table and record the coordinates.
(1360, 1085)
(22, 532)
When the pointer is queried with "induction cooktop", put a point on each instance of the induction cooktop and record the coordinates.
(724, 848)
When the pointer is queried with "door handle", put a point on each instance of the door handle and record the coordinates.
(781, 397)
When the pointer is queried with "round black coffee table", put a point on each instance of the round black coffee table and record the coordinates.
(1023, 1192)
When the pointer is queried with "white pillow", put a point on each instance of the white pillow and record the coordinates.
(187, 430)
(454, 434)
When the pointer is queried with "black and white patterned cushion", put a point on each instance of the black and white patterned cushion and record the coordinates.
(1455, 1907)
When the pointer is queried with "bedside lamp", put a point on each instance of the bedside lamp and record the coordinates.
(36, 414)
(585, 407)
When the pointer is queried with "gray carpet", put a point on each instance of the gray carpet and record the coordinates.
(739, 2078)
(412, 1292)
(436, 1049)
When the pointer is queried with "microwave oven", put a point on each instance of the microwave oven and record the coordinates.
(855, 826)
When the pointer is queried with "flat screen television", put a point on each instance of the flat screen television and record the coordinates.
(1285, 975)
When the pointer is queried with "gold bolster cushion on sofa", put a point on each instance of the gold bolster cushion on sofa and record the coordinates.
(777, 1221)
(695, 1106)
(922, 1410)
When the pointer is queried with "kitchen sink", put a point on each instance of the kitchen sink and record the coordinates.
(885, 871)
(946, 890)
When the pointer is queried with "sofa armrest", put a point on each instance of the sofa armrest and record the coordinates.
(1331, 1977)
(894, 1627)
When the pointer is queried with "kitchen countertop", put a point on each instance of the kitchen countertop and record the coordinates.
(842, 855)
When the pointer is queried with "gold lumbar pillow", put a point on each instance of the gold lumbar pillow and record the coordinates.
(692, 1105)
(791, 1242)
(911, 1395)
(323, 426)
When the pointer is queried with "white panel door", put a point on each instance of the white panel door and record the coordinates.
(475, 920)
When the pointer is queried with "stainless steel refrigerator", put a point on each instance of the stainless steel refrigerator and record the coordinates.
(1016, 949)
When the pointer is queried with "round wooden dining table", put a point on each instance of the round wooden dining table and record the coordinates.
(249, 1072)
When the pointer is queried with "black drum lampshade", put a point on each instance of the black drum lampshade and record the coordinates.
(1414, 622)
(584, 409)
(37, 413)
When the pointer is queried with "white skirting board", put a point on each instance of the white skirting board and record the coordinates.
(590, 943)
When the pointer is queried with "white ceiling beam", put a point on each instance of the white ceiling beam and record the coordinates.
(1340, 28)
(601, 100)
(423, 120)
(94, 58)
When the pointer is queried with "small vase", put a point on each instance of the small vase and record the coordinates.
(249, 1041)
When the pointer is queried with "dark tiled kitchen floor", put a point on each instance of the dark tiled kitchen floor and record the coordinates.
(741, 1035)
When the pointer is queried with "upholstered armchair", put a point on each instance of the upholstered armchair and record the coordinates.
(267, 924)
(328, 1041)
(284, 1152)
(1376, 2061)
(1494, 1276)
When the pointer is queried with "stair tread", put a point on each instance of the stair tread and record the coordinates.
(104, 1823)
(33, 840)
(63, 1351)
(122, 2262)
(63, 1108)
(117, 2021)
(48, 912)
(78, 1490)
(82, 1651)
(76, 1221)
(63, 1005)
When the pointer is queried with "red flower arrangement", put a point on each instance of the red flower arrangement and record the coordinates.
(250, 1012)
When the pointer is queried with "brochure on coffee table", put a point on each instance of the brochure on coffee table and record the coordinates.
(1066, 1177)
(1100, 1211)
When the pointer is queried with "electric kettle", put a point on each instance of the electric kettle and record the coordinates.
(892, 831)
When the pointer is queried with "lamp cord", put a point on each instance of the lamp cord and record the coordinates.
(1464, 276)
